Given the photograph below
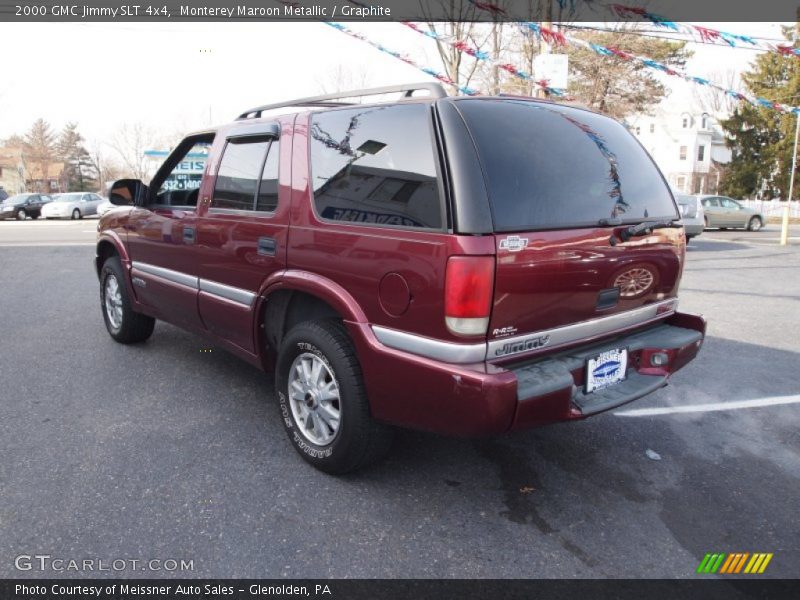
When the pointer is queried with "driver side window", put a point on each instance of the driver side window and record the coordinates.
(181, 185)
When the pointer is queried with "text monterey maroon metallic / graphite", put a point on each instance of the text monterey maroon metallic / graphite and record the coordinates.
(467, 266)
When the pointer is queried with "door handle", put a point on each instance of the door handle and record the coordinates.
(188, 235)
(267, 246)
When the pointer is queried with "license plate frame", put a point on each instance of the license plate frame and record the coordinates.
(606, 369)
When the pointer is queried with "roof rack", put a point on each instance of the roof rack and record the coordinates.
(435, 90)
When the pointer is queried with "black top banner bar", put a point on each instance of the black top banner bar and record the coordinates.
(396, 10)
(398, 589)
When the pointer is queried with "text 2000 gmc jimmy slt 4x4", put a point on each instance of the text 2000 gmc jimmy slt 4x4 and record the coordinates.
(467, 266)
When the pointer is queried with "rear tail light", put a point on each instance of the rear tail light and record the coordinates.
(468, 288)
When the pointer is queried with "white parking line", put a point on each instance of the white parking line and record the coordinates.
(716, 406)
(42, 244)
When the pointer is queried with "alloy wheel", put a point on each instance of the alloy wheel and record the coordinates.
(314, 399)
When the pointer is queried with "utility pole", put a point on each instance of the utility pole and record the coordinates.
(785, 223)
(545, 47)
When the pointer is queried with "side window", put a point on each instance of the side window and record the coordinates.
(238, 174)
(180, 186)
(710, 202)
(376, 166)
(87, 198)
(268, 188)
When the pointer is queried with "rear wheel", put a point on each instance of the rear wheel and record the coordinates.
(755, 224)
(323, 403)
(122, 322)
(21, 215)
(34, 217)
(76, 214)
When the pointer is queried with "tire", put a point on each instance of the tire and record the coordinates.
(34, 217)
(354, 440)
(21, 215)
(76, 214)
(123, 324)
(755, 224)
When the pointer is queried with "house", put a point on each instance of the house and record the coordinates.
(47, 178)
(12, 170)
(689, 148)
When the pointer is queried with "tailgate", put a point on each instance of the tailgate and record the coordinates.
(548, 284)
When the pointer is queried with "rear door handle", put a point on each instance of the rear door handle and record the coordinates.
(267, 246)
(188, 235)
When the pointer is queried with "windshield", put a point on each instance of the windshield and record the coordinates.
(17, 199)
(550, 166)
(67, 198)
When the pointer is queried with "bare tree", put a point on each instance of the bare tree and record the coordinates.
(461, 29)
(130, 142)
(714, 101)
(39, 150)
(107, 169)
(342, 78)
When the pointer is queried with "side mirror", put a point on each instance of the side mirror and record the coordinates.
(127, 192)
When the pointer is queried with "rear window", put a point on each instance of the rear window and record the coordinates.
(376, 166)
(549, 166)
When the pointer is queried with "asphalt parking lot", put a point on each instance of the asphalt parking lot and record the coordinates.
(174, 450)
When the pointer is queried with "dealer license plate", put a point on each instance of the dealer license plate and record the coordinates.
(606, 369)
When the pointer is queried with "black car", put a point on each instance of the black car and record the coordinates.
(3, 194)
(21, 206)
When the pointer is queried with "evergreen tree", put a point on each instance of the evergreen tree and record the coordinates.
(81, 175)
(762, 139)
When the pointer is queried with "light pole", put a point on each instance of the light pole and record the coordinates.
(785, 223)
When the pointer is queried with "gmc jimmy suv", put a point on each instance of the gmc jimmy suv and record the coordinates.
(467, 266)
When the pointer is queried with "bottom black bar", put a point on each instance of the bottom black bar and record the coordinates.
(391, 589)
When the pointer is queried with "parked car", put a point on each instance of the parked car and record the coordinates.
(74, 205)
(3, 194)
(692, 215)
(104, 207)
(725, 212)
(436, 263)
(21, 206)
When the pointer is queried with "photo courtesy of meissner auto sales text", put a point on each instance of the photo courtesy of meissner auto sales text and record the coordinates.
(377, 299)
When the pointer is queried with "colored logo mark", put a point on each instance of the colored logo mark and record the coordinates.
(734, 563)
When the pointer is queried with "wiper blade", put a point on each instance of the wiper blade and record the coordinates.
(645, 228)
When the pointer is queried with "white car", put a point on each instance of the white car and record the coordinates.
(75, 205)
(105, 207)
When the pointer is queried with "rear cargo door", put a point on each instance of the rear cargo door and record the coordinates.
(562, 183)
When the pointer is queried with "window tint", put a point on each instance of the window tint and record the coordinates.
(238, 174)
(728, 203)
(710, 202)
(375, 166)
(551, 166)
(268, 188)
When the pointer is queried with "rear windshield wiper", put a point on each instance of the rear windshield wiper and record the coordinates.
(645, 228)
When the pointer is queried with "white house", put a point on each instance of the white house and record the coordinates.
(689, 148)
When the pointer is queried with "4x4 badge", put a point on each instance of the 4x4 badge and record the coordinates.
(513, 243)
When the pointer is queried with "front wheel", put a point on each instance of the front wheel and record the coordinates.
(76, 214)
(122, 322)
(755, 224)
(323, 403)
(21, 215)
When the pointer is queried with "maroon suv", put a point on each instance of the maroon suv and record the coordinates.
(467, 266)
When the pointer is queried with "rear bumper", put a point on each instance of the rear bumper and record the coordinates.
(484, 398)
(693, 228)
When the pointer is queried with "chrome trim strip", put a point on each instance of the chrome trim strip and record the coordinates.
(227, 292)
(168, 274)
(220, 290)
(593, 328)
(430, 348)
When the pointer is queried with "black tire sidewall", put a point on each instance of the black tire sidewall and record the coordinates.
(316, 338)
(113, 267)
(73, 217)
